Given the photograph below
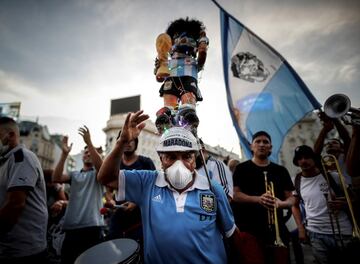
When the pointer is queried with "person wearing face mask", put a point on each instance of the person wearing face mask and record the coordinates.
(23, 208)
(184, 218)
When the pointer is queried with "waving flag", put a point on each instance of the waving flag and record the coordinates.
(263, 90)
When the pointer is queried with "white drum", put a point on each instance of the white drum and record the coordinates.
(122, 250)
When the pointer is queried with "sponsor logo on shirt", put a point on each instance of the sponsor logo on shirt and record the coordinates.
(324, 188)
(157, 198)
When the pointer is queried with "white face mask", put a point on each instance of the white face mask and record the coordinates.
(178, 175)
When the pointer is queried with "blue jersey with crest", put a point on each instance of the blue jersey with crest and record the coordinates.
(179, 228)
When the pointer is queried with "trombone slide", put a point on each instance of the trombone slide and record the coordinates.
(327, 161)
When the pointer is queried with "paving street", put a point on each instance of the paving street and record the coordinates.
(308, 257)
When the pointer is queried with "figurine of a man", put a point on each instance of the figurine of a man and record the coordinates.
(182, 54)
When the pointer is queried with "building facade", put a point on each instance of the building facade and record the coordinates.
(305, 132)
(37, 138)
(47, 147)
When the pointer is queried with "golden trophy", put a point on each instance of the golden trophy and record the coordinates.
(163, 46)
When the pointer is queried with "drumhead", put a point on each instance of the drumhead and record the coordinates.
(122, 250)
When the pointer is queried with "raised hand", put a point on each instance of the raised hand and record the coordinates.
(66, 148)
(133, 125)
(85, 133)
(327, 122)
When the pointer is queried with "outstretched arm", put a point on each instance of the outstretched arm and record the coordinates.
(95, 156)
(328, 125)
(109, 171)
(343, 133)
(58, 175)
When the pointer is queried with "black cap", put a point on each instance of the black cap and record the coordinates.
(304, 151)
(261, 133)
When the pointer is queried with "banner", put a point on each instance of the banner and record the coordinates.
(263, 90)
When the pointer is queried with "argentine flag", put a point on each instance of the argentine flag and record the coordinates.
(263, 90)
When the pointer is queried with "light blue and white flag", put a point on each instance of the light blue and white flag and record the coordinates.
(263, 90)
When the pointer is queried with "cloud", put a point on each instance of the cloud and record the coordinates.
(13, 87)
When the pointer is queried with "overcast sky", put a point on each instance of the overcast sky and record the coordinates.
(65, 60)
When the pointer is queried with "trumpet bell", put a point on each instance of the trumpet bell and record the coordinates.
(337, 105)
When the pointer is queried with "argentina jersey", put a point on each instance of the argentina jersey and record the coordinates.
(183, 67)
(181, 227)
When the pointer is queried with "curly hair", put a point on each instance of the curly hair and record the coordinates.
(191, 27)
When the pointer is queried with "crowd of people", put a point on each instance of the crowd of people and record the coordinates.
(196, 208)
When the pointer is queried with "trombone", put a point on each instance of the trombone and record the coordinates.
(272, 214)
(328, 161)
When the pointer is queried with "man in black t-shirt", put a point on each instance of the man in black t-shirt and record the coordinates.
(253, 206)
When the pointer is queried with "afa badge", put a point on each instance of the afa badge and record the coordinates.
(167, 85)
(207, 202)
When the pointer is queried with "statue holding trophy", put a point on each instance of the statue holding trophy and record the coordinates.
(181, 54)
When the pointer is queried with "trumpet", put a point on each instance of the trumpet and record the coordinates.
(329, 161)
(339, 106)
(272, 214)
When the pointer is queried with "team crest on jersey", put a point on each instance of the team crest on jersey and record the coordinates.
(207, 202)
(167, 85)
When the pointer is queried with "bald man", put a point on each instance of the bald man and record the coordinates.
(23, 210)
